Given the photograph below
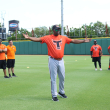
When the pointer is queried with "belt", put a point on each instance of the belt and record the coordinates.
(56, 58)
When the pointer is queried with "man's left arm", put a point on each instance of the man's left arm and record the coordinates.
(100, 51)
(75, 41)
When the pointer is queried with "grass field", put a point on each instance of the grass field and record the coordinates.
(86, 88)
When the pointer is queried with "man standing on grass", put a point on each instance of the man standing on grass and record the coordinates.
(55, 44)
(3, 50)
(109, 57)
(96, 52)
(11, 49)
(109, 49)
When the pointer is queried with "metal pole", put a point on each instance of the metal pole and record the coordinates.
(74, 32)
(85, 30)
(3, 29)
(79, 31)
(16, 34)
(62, 30)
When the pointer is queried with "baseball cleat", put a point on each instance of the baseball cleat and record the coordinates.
(55, 99)
(14, 75)
(10, 76)
(100, 69)
(6, 77)
(62, 95)
(96, 69)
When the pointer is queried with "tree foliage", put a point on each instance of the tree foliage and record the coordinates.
(19, 34)
(92, 30)
(41, 31)
(97, 29)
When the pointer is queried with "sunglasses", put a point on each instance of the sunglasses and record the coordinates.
(57, 30)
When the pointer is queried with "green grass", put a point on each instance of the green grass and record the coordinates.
(86, 88)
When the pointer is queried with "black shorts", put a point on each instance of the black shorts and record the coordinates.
(95, 59)
(10, 63)
(2, 64)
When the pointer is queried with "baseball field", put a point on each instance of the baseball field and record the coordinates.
(86, 88)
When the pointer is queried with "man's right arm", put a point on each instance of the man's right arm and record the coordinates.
(35, 39)
(32, 38)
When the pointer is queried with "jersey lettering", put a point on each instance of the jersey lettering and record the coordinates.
(95, 48)
(57, 43)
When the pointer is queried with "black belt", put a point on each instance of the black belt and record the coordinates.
(56, 58)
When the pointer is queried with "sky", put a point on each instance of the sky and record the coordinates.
(37, 13)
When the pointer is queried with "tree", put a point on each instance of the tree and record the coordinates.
(19, 34)
(99, 28)
(41, 31)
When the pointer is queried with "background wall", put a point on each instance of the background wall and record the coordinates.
(32, 48)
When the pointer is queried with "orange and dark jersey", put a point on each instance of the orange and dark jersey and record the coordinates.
(95, 50)
(109, 47)
(11, 52)
(2, 55)
(55, 45)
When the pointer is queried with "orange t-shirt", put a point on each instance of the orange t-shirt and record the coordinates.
(109, 47)
(55, 44)
(96, 49)
(11, 52)
(2, 55)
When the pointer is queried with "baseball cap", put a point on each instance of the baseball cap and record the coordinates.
(95, 41)
(55, 27)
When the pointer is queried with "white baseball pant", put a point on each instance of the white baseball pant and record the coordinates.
(56, 66)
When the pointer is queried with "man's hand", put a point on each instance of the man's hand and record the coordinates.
(26, 35)
(87, 40)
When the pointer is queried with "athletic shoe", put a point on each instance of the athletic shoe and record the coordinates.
(10, 76)
(62, 95)
(6, 77)
(55, 99)
(100, 69)
(96, 69)
(14, 75)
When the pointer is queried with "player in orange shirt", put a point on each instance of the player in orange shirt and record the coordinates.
(96, 52)
(11, 50)
(109, 49)
(109, 57)
(3, 49)
(55, 44)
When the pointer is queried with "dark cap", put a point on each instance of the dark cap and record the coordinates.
(95, 41)
(55, 27)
